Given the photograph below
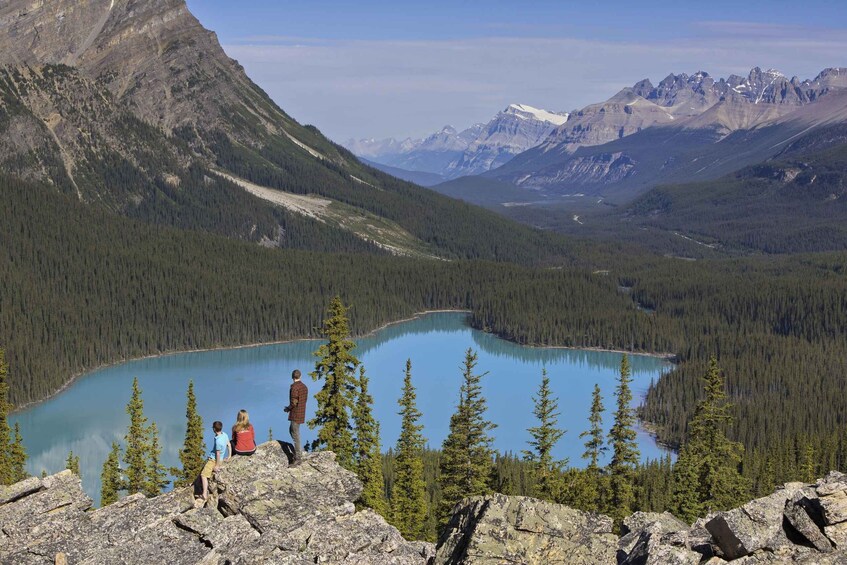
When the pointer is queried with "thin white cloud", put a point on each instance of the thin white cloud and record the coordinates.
(401, 88)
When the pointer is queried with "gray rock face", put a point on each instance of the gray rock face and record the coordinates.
(512, 529)
(797, 524)
(803, 517)
(756, 525)
(651, 523)
(263, 511)
(260, 511)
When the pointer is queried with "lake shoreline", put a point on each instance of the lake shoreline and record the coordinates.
(417, 315)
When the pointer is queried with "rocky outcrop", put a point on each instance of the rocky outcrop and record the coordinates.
(260, 511)
(798, 523)
(514, 529)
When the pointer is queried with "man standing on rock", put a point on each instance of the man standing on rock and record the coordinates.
(297, 411)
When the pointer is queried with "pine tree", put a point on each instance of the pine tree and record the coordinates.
(111, 482)
(5, 431)
(624, 449)
(706, 475)
(809, 470)
(336, 365)
(686, 502)
(594, 449)
(408, 495)
(544, 439)
(368, 456)
(137, 441)
(157, 476)
(466, 460)
(72, 464)
(194, 447)
(18, 456)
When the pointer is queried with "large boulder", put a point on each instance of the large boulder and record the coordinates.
(640, 522)
(651, 538)
(260, 511)
(805, 520)
(758, 525)
(829, 508)
(498, 529)
(656, 548)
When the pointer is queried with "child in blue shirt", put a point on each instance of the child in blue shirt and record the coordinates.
(216, 457)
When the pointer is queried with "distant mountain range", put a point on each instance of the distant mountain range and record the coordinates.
(686, 128)
(449, 153)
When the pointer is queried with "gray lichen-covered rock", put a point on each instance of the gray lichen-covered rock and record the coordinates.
(653, 522)
(656, 548)
(756, 525)
(262, 511)
(499, 529)
(801, 515)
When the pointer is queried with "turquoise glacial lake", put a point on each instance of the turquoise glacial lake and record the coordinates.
(90, 414)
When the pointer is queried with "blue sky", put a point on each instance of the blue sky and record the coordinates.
(376, 69)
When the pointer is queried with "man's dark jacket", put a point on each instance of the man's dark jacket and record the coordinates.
(297, 402)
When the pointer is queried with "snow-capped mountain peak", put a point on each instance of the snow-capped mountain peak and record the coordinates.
(528, 112)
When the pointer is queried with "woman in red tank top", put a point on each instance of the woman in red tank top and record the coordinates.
(243, 436)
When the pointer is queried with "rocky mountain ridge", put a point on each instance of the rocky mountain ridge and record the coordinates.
(689, 127)
(261, 510)
(477, 149)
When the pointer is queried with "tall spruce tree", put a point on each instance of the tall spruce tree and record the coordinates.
(624, 449)
(544, 438)
(137, 441)
(336, 366)
(5, 431)
(368, 456)
(192, 454)
(408, 495)
(466, 459)
(72, 464)
(111, 482)
(707, 474)
(157, 475)
(593, 483)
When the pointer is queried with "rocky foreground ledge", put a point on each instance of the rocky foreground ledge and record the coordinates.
(260, 511)
(263, 511)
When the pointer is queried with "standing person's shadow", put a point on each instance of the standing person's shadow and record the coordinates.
(288, 449)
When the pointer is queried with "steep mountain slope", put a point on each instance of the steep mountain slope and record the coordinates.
(133, 105)
(796, 202)
(454, 154)
(686, 128)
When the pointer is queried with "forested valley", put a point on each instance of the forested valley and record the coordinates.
(84, 287)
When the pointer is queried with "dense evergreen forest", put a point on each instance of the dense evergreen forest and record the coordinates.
(84, 287)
